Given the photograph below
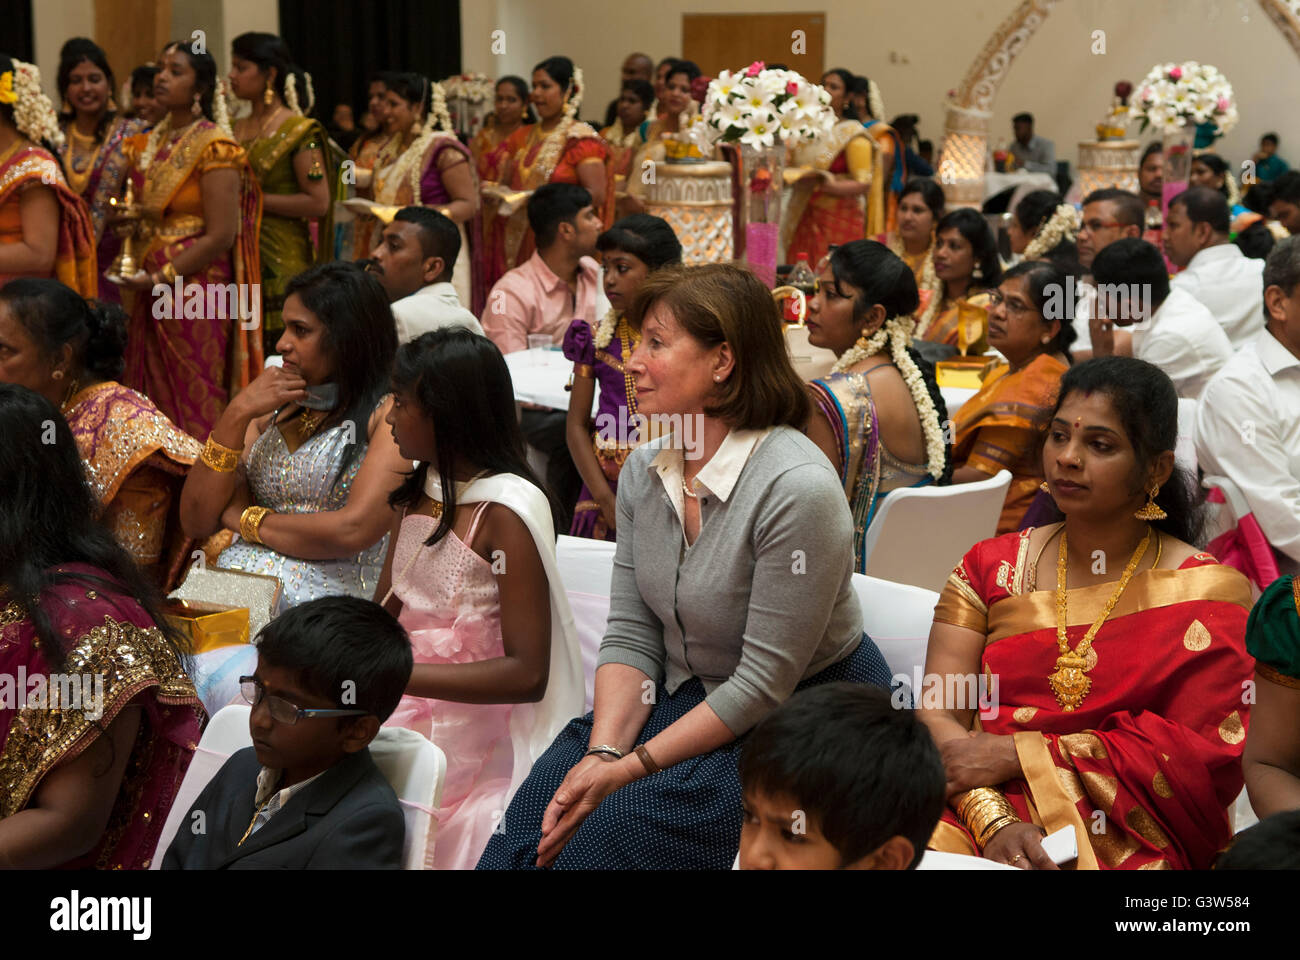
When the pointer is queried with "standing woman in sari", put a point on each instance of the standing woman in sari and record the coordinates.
(828, 207)
(87, 785)
(92, 154)
(510, 111)
(966, 265)
(286, 150)
(557, 149)
(201, 210)
(891, 165)
(1000, 427)
(373, 147)
(433, 169)
(1118, 685)
(676, 112)
(45, 228)
(920, 208)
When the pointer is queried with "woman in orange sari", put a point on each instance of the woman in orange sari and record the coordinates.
(827, 207)
(1113, 701)
(510, 111)
(966, 266)
(1000, 427)
(373, 147)
(201, 211)
(45, 228)
(557, 149)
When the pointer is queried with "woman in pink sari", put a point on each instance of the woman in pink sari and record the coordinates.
(95, 743)
(201, 211)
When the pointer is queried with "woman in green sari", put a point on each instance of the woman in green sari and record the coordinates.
(289, 154)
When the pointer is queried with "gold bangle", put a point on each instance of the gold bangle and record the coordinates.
(220, 459)
(584, 370)
(250, 523)
(168, 273)
(985, 811)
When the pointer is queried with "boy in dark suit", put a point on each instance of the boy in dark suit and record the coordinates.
(307, 793)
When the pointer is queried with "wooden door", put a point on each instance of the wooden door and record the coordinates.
(731, 41)
(133, 32)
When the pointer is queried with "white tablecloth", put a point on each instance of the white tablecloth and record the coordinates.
(540, 376)
(954, 397)
(995, 183)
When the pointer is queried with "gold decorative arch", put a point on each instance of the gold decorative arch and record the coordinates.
(966, 127)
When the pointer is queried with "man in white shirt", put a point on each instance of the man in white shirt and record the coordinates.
(1248, 420)
(414, 260)
(1109, 214)
(1171, 328)
(1217, 273)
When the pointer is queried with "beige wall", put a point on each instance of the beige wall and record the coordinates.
(933, 41)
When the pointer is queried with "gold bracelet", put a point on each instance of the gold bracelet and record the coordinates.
(584, 370)
(168, 273)
(985, 811)
(250, 523)
(220, 459)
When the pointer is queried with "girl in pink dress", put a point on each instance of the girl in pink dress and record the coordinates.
(471, 576)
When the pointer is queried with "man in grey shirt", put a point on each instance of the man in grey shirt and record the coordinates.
(1037, 154)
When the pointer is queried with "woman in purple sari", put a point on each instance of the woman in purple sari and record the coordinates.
(434, 169)
(633, 248)
(93, 159)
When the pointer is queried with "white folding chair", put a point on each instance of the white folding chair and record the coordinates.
(937, 860)
(414, 767)
(586, 567)
(921, 533)
(808, 361)
(897, 617)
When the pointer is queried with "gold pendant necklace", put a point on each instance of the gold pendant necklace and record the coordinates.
(310, 422)
(1070, 682)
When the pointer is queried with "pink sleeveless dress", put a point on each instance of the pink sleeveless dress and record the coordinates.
(451, 610)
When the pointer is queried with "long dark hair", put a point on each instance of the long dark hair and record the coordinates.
(1042, 279)
(463, 386)
(884, 278)
(267, 50)
(48, 518)
(205, 74)
(984, 248)
(1146, 402)
(361, 335)
(1217, 166)
(75, 52)
(54, 315)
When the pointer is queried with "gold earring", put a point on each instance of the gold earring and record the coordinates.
(196, 108)
(67, 107)
(58, 374)
(1044, 487)
(112, 104)
(1151, 511)
(269, 95)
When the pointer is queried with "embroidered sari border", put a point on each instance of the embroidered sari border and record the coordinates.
(1055, 809)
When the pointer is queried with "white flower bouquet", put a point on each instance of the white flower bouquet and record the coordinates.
(473, 87)
(1175, 95)
(758, 106)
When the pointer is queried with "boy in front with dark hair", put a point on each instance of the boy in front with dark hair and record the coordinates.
(307, 793)
(837, 778)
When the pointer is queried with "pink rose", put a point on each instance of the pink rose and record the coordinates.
(754, 68)
(1224, 104)
(792, 88)
(1175, 73)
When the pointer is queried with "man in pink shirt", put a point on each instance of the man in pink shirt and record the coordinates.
(556, 284)
(544, 295)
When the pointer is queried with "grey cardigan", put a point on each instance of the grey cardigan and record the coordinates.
(764, 597)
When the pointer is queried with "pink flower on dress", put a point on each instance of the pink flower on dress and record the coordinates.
(754, 68)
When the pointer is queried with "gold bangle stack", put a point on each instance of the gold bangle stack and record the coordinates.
(985, 811)
(250, 523)
(220, 459)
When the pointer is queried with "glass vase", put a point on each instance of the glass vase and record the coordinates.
(761, 170)
(1177, 148)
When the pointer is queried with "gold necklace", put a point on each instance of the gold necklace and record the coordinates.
(1070, 682)
(310, 422)
(625, 340)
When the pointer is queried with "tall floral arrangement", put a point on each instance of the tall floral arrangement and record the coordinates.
(1175, 95)
(757, 106)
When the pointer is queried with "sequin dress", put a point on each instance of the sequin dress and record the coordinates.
(452, 611)
(303, 482)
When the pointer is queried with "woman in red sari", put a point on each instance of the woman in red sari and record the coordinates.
(201, 216)
(558, 149)
(1112, 653)
(45, 228)
(511, 110)
(97, 734)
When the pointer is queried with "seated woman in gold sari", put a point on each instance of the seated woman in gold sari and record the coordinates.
(1000, 427)
(878, 415)
(287, 151)
(920, 208)
(1271, 762)
(92, 756)
(1114, 701)
(45, 228)
(70, 351)
(966, 265)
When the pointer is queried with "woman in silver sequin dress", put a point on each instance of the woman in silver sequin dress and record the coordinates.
(316, 462)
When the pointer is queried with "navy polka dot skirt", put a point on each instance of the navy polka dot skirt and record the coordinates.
(686, 817)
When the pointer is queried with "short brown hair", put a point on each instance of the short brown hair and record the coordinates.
(721, 303)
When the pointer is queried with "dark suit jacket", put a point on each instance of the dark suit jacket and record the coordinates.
(347, 817)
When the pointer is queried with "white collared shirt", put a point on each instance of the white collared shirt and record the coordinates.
(431, 308)
(1248, 430)
(1183, 339)
(269, 801)
(717, 477)
(1231, 285)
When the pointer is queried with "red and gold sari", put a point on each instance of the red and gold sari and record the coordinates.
(136, 461)
(24, 166)
(191, 357)
(816, 220)
(109, 637)
(999, 429)
(1147, 766)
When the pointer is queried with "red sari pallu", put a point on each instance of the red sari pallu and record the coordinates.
(27, 166)
(1147, 766)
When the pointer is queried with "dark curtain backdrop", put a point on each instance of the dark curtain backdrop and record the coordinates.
(16, 30)
(342, 42)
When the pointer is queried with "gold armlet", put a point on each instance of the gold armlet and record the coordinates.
(250, 523)
(220, 459)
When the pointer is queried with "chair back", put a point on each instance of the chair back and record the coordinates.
(897, 617)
